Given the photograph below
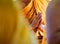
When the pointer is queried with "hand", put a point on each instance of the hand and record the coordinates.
(37, 21)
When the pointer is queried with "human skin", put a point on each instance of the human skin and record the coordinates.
(53, 22)
(36, 22)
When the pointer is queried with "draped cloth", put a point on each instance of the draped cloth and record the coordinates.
(31, 12)
(14, 29)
